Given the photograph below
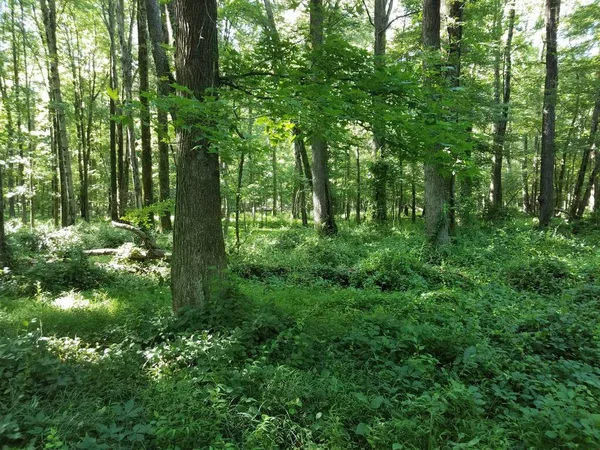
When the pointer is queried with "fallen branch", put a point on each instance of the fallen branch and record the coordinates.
(129, 251)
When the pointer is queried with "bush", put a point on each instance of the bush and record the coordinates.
(543, 276)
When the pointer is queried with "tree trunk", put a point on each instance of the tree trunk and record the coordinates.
(164, 89)
(437, 183)
(299, 149)
(577, 203)
(455, 36)
(358, 189)
(501, 123)
(3, 248)
(380, 167)
(546, 199)
(56, 106)
(144, 111)
(113, 80)
(525, 178)
(127, 70)
(198, 245)
(322, 202)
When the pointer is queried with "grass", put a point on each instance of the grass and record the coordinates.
(366, 340)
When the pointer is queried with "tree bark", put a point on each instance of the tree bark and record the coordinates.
(546, 198)
(198, 245)
(299, 149)
(125, 39)
(577, 203)
(144, 111)
(64, 161)
(164, 89)
(322, 202)
(501, 123)
(113, 81)
(455, 37)
(437, 182)
(380, 167)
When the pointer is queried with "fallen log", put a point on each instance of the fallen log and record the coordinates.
(130, 251)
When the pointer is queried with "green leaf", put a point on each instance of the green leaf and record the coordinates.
(362, 429)
(112, 93)
(376, 402)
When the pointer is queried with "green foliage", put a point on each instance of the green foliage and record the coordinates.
(544, 276)
(457, 354)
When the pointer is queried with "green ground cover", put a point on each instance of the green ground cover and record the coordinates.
(366, 340)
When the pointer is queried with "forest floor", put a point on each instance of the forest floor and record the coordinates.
(365, 340)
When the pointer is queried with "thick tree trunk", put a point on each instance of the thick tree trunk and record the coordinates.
(66, 175)
(198, 245)
(144, 112)
(437, 183)
(322, 201)
(546, 199)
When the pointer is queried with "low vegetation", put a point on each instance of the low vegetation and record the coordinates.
(365, 340)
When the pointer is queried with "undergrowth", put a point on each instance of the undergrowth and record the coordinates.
(361, 341)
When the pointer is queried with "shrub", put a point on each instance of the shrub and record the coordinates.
(543, 276)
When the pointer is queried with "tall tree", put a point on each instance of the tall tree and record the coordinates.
(125, 39)
(437, 181)
(546, 197)
(322, 201)
(455, 37)
(68, 205)
(579, 202)
(380, 167)
(502, 104)
(144, 113)
(198, 244)
(165, 79)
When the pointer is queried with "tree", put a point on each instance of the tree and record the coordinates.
(198, 246)
(502, 103)
(322, 202)
(437, 181)
(57, 108)
(164, 89)
(145, 114)
(546, 198)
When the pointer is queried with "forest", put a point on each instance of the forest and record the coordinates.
(284, 224)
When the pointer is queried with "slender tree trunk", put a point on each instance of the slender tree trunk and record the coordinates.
(274, 169)
(198, 245)
(322, 201)
(299, 149)
(3, 247)
(358, 187)
(144, 112)
(525, 178)
(67, 193)
(30, 120)
(380, 167)
(127, 70)
(437, 183)
(501, 124)
(455, 35)
(238, 198)
(546, 199)
(577, 203)
(165, 79)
